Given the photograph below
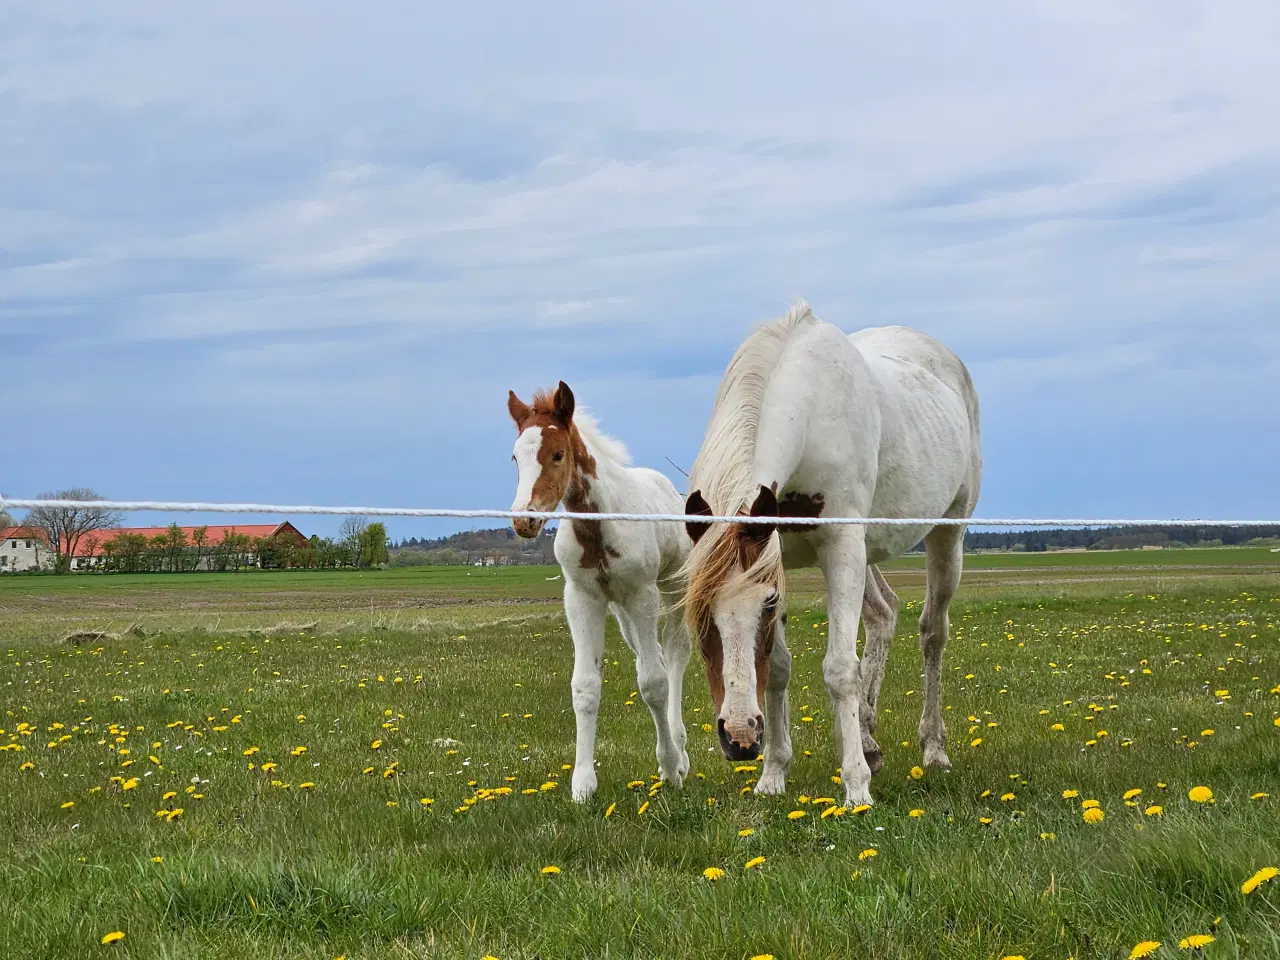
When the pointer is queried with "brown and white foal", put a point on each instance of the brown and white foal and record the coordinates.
(626, 568)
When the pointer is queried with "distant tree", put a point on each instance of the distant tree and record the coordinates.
(66, 526)
(199, 545)
(373, 545)
(6, 520)
(127, 553)
(351, 531)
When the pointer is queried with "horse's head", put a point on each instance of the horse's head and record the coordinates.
(733, 605)
(544, 453)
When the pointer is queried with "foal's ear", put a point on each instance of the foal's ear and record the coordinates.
(766, 505)
(696, 506)
(518, 409)
(563, 403)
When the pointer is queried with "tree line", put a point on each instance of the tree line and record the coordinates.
(175, 552)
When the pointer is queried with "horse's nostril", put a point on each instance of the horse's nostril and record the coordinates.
(751, 722)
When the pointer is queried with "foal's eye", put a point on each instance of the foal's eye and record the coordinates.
(771, 601)
(558, 456)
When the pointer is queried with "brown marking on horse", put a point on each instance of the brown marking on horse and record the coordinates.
(796, 504)
(713, 656)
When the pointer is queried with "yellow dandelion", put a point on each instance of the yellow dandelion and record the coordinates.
(917, 773)
(68, 805)
(713, 874)
(643, 807)
(114, 937)
(1048, 836)
(1196, 941)
(1155, 810)
(1206, 733)
(1258, 879)
(861, 808)
(975, 741)
(1145, 949)
(753, 863)
(1200, 794)
(868, 854)
(984, 820)
(795, 814)
(1057, 728)
(550, 870)
(1259, 796)
(1088, 804)
(1007, 797)
(609, 810)
(308, 785)
(748, 832)
(1094, 815)
(376, 745)
(1070, 794)
(916, 813)
(1135, 792)
(763, 956)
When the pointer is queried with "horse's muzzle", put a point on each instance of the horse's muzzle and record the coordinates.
(745, 745)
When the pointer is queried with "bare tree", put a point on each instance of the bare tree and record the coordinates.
(66, 526)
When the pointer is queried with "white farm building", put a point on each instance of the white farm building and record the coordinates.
(24, 548)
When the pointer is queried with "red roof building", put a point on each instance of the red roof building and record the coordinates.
(91, 544)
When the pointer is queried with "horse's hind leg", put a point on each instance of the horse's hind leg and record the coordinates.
(638, 617)
(944, 547)
(880, 622)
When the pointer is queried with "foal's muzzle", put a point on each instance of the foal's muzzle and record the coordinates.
(527, 528)
(746, 745)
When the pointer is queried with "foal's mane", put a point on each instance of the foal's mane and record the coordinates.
(599, 443)
(723, 472)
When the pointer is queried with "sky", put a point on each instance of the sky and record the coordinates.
(299, 253)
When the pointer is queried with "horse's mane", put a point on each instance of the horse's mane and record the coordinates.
(723, 470)
(601, 445)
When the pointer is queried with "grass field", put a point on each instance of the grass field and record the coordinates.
(392, 780)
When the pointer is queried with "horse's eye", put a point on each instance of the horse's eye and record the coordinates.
(771, 601)
(559, 455)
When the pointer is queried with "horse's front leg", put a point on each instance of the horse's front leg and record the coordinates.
(638, 617)
(844, 561)
(586, 612)
(676, 649)
(777, 716)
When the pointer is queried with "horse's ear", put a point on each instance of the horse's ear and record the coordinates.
(766, 505)
(563, 402)
(696, 506)
(518, 409)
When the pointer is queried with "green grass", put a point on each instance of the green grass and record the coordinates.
(258, 867)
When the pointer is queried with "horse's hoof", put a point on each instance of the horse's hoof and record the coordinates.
(875, 760)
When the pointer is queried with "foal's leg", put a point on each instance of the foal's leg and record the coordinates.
(844, 565)
(638, 618)
(777, 717)
(944, 547)
(676, 650)
(879, 622)
(586, 611)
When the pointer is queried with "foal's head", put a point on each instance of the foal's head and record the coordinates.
(733, 605)
(548, 453)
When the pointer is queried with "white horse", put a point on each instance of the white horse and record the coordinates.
(623, 567)
(811, 422)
